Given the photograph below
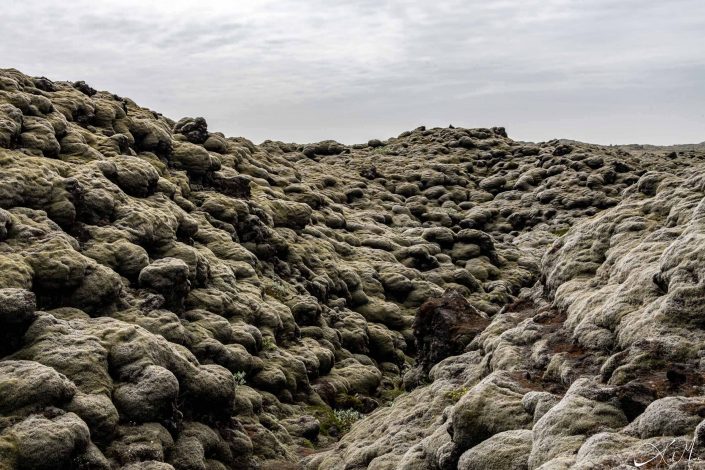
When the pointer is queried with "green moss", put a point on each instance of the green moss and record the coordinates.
(308, 444)
(8, 450)
(639, 367)
(383, 150)
(277, 290)
(325, 417)
(652, 363)
(391, 394)
(268, 343)
(343, 400)
(457, 393)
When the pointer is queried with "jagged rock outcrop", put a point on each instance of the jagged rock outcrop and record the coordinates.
(174, 298)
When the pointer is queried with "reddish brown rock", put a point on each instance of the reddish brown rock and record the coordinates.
(444, 326)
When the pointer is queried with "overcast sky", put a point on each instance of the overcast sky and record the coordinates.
(603, 71)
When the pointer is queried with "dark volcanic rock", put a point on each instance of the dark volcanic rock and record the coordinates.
(444, 326)
(195, 129)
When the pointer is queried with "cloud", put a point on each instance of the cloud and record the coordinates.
(307, 70)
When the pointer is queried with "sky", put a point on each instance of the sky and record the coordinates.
(601, 71)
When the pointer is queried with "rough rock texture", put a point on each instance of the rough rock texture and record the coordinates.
(444, 326)
(450, 298)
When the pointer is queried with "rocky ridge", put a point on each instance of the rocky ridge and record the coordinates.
(450, 298)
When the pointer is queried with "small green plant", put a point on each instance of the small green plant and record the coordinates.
(268, 343)
(334, 423)
(457, 394)
(239, 377)
(345, 418)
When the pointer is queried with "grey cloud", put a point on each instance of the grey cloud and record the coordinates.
(606, 71)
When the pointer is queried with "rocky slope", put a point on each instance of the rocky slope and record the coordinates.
(451, 298)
